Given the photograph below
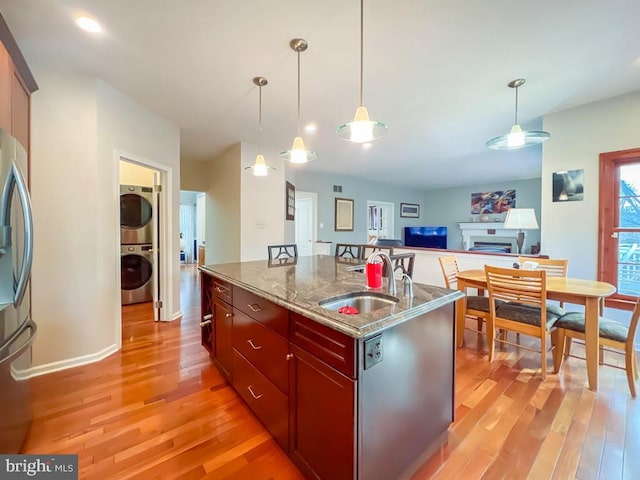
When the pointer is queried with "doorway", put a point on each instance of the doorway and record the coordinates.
(143, 265)
(380, 216)
(305, 222)
(192, 227)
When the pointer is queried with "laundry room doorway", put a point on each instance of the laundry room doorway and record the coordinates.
(142, 217)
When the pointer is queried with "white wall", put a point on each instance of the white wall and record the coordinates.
(200, 218)
(76, 124)
(263, 206)
(222, 206)
(578, 137)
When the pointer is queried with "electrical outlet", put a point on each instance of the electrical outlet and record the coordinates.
(372, 351)
(321, 225)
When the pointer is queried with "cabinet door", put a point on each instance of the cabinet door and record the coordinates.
(6, 74)
(322, 418)
(19, 111)
(223, 326)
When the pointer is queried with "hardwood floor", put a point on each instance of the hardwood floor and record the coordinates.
(159, 409)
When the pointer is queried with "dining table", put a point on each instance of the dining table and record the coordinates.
(563, 289)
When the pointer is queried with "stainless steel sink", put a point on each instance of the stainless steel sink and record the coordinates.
(365, 302)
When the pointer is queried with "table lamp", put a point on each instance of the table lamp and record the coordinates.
(521, 219)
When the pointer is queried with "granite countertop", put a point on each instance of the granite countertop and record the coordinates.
(299, 284)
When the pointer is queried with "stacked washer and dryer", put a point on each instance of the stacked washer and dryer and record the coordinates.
(136, 243)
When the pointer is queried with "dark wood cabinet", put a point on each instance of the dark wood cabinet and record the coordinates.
(323, 418)
(341, 407)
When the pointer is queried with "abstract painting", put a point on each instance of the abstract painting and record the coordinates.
(493, 202)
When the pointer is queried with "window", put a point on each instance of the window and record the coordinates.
(619, 225)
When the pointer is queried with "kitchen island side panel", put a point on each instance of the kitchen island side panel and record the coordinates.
(406, 400)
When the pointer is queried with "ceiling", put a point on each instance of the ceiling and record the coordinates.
(435, 71)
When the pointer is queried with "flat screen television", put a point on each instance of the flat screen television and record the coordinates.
(426, 237)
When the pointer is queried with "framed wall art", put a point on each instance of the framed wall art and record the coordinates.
(290, 201)
(493, 202)
(344, 214)
(409, 210)
(568, 186)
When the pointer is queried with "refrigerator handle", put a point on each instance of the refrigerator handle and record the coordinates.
(5, 351)
(27, 258)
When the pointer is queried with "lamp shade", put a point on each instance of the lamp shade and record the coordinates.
(521, 219)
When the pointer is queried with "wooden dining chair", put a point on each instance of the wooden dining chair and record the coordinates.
(612, 335)
(282, 251)
(348, 250)
(525, 309)
(477, 305)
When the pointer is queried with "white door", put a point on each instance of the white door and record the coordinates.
(304, 226)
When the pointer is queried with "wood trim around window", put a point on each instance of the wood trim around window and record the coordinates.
(608, 220)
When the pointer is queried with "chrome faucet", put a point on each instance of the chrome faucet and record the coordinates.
(389, 266)
(407, 285)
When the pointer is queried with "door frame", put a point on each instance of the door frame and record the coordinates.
(378, 203)
(164, 235)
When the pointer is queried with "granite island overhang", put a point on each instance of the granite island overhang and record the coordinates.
(366, 396)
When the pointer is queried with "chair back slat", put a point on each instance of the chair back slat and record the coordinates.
(403, 263)
(348, 250)
(522, 286)
(367, 250)
(282, 251)
(555, 267)
(450, 270)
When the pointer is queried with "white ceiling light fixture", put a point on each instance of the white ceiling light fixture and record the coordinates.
(517, 138)
(298, 152)
(88, 24)
(260, 167)
(362, 129)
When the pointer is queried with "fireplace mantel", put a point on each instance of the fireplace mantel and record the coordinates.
(488, 230)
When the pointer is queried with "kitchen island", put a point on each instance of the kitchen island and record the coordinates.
(362, 396)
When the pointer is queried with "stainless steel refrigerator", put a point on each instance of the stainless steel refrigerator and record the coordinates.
(17, 329)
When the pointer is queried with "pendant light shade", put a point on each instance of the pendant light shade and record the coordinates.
(259, 167)
(361, 129)
(298, 152)
(517, 138)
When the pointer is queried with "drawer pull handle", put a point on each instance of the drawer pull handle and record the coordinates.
(227, 315)
(205, 323)
(250, 342)
(253, 394)
(255, 307)
(289, 356)
(208, 316)
(220, 289)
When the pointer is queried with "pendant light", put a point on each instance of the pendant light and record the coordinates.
(362, 129)
(517, 138)
(260, 167)
(298, 152)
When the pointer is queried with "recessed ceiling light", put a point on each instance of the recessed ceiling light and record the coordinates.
(88, 24)
(367, 146)
(310, 128)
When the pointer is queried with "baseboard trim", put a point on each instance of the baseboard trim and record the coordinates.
(177, 315)
(64, 364)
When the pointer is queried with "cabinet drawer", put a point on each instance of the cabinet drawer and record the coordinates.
(268, 313)
(264, 348)
(269, 404)
(222, 290)
(330, 346)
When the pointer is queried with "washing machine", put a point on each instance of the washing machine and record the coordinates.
(136, 213)
(136, 273)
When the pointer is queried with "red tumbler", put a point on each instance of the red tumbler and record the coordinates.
(374, 275)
